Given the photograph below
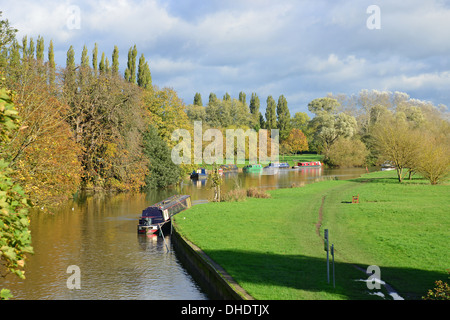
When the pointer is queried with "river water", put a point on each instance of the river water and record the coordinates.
(98, 235)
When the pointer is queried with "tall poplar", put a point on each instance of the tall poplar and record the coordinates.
(198, 100)
(115, 61)
(130, 71)
(24, 47)
(271, 116)
(144, 78)
(40, 49)
(101, 66)
(95, 58)
(31, 49)
(51, 64)
(84, 58)
(283, 118)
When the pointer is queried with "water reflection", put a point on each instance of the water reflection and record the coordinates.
(99, 235)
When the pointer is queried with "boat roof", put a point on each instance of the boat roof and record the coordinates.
(156, 209)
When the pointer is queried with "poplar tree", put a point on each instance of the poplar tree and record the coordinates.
(31, 49)
(51, 64)
(226, 97)
(242, 98)
(144, 78)
(198, 100)
(101, 66)
(84, 58)
(283, 118)
(115, 61)
(40, 49)
(107, 66)
(271, 117)
(130, 71)
(254, 104)
(24, 47)
(94, 58)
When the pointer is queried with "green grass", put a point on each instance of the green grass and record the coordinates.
(272, 249)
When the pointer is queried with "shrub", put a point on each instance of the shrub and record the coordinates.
(257, 193)
(440, 292)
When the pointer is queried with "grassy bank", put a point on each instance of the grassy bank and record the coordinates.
(274, 247)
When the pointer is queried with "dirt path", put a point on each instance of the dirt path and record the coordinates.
(389, 289)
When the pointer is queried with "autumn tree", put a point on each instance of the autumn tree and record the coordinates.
(346, 153)
(295, 142)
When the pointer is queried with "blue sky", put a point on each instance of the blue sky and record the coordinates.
(302, 49)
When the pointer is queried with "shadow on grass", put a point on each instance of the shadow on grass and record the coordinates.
(298, 272)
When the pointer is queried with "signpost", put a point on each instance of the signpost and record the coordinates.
(325, 236)
(332, 254)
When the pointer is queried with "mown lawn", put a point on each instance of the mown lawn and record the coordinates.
(274, 248)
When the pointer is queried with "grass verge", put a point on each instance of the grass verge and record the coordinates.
(274, 247)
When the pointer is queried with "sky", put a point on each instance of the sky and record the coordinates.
(302, 49)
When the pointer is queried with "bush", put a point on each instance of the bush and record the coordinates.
(257, 193)
(440, 292)
(347, 153)
(242, 194)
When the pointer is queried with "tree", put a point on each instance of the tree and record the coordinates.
(115, 61)
(7, 33)
(130, 72)
(226, 97)
(295, 142)
(271, 116)
(397, 142)
(102, 66)
(242, 98)
(346, 153)
(40, 50)
(283, 118)
(95, 58)
(328, 125)
(198, 99)
(51, 64)
(433, 157)
(15, 236)
(162, 171)
(144, 77)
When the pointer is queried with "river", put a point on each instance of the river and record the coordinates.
(98, 235)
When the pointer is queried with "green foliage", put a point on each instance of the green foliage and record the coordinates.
(144, 76)
(346, 153)
(283, 118)
(115, 61)
(441, 291)
(198, 99)
(162, 171)
(15, 237)
(271, 116)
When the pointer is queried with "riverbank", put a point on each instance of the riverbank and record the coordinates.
(273, 247)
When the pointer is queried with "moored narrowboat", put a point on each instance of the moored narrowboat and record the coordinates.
(199, 174)
(158, 215)
(310, 164)
(253, 168)
(282, 165)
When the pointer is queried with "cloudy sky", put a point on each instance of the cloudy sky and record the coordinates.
(303, 49)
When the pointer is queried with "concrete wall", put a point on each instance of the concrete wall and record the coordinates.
(212, 277)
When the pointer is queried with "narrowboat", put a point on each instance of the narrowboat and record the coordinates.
(283, 165)
(311, 164)
(158, 215)
(253, 168)
(199, 174)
